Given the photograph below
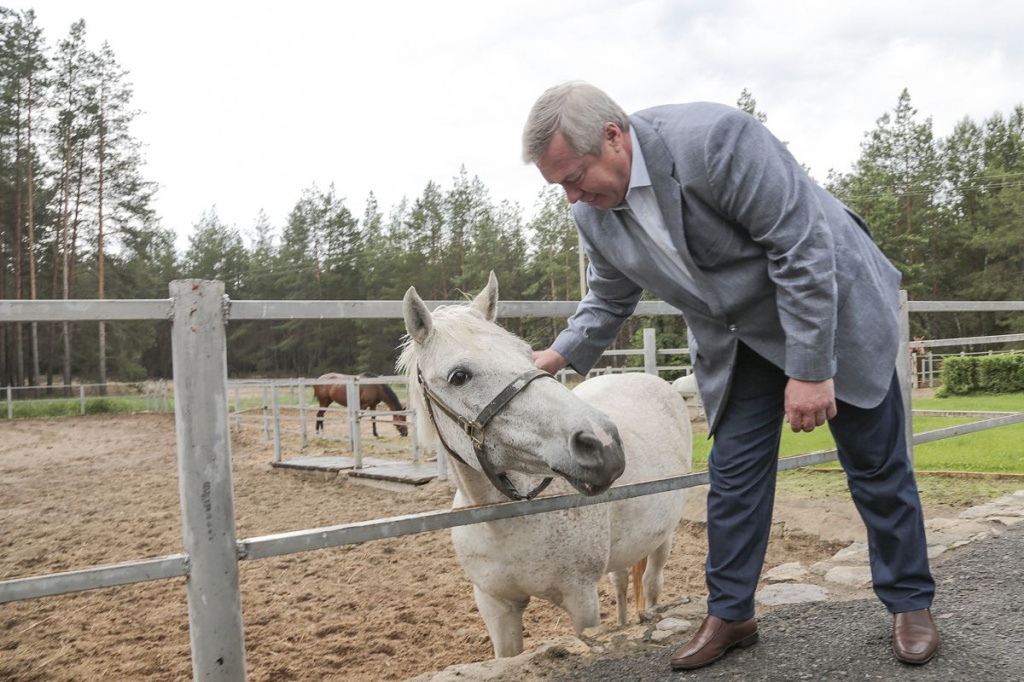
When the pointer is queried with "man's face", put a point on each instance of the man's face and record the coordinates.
(600, 181)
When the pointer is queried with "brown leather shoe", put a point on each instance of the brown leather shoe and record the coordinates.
(713, 640)
(914, 636)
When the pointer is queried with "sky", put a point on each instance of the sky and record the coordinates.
(243, 105)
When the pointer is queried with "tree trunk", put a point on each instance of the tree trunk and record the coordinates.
(19, 340)
(99, 259)
(31, 238)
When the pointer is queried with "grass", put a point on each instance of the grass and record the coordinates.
(68, 407)
(996, 450)
(951, 491)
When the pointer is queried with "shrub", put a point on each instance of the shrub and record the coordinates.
(1001, 373)
(959, 376)
(985, 374)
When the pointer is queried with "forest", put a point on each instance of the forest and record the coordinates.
(77, 222)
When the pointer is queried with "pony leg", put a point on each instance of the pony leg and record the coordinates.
(654, 576)
(319, 420)
(504, 620)
(583, 606)
(620, 581)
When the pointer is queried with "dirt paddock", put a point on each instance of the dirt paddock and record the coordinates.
(78, 492)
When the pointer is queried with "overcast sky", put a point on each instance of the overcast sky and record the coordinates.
(245, 104)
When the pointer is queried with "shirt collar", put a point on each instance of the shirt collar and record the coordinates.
(638, 175)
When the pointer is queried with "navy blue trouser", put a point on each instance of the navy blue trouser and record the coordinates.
(743, 465)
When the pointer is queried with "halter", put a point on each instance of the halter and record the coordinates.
(475, 430)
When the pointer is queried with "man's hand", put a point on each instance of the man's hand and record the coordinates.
(549, 360)
(809, 403)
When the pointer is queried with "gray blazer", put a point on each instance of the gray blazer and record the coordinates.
(778, 262)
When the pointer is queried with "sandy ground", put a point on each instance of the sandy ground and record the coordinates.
(84, 491)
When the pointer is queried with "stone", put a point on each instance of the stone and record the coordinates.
(855, 553)
(854, 576)
(1008, 505)
(659, 636)
(674, 624)
(791, 593)
(948, 531)
(791, 572)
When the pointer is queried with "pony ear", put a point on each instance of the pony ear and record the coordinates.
(418, 320)
(487, 300)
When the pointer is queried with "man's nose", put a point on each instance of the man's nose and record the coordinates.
(573, 194)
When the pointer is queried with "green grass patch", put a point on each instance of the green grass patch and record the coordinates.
(955, 492)
(998, 450)
(69, 407)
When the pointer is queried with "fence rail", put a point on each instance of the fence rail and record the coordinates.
(199, 311)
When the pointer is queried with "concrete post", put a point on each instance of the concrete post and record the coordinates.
(302, 412)
(903, 371)
(650, 351)
(353, 422)
(204, 475)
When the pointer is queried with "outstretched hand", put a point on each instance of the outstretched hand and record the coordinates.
(809, 404)
(549, 360)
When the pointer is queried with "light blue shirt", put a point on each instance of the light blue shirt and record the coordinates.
(643, 215)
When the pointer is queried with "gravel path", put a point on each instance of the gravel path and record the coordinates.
(979, 609)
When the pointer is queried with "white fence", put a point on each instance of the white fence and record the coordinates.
(147, 395)
(199, 311)
(277, 417)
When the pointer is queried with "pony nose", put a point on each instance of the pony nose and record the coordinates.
(600, 460)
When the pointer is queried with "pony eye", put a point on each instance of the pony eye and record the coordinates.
(458, 377)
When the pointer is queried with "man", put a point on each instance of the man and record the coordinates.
(794, 310)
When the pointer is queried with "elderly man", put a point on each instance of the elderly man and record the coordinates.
(794, 308)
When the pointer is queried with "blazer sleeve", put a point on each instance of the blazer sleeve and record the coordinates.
(760, 187)
(611, 298)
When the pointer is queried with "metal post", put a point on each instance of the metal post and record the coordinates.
(302, 413)
(442, 465)
(650, 351)
(266, 424)
(10, 404)
(583, 266)
(903, 372)
(81, 397)
(414, 441)
(353, 422)
(199, 353)
(277, 420)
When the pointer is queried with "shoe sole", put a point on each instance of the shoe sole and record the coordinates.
(911, 661)
(749, 640)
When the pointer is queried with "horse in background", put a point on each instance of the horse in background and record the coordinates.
(370, 395)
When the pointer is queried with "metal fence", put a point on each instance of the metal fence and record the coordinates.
(199, 310)
(30, 401)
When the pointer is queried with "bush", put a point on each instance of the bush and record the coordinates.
(985, 374)
(959, 376)
(1001, 373)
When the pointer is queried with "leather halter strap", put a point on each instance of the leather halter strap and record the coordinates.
(474, 428)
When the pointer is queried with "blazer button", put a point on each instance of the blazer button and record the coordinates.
(732, 327)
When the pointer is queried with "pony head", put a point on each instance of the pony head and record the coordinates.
(467, 360)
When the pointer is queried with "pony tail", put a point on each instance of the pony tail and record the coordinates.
(636, 572)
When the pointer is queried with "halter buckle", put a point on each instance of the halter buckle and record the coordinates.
(473, 429)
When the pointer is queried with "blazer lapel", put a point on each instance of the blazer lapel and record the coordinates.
(661, 167)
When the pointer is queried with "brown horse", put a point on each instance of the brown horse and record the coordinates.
(370, 395)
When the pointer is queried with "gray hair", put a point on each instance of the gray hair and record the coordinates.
(576, 109)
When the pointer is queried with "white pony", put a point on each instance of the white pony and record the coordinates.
(509, 427)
